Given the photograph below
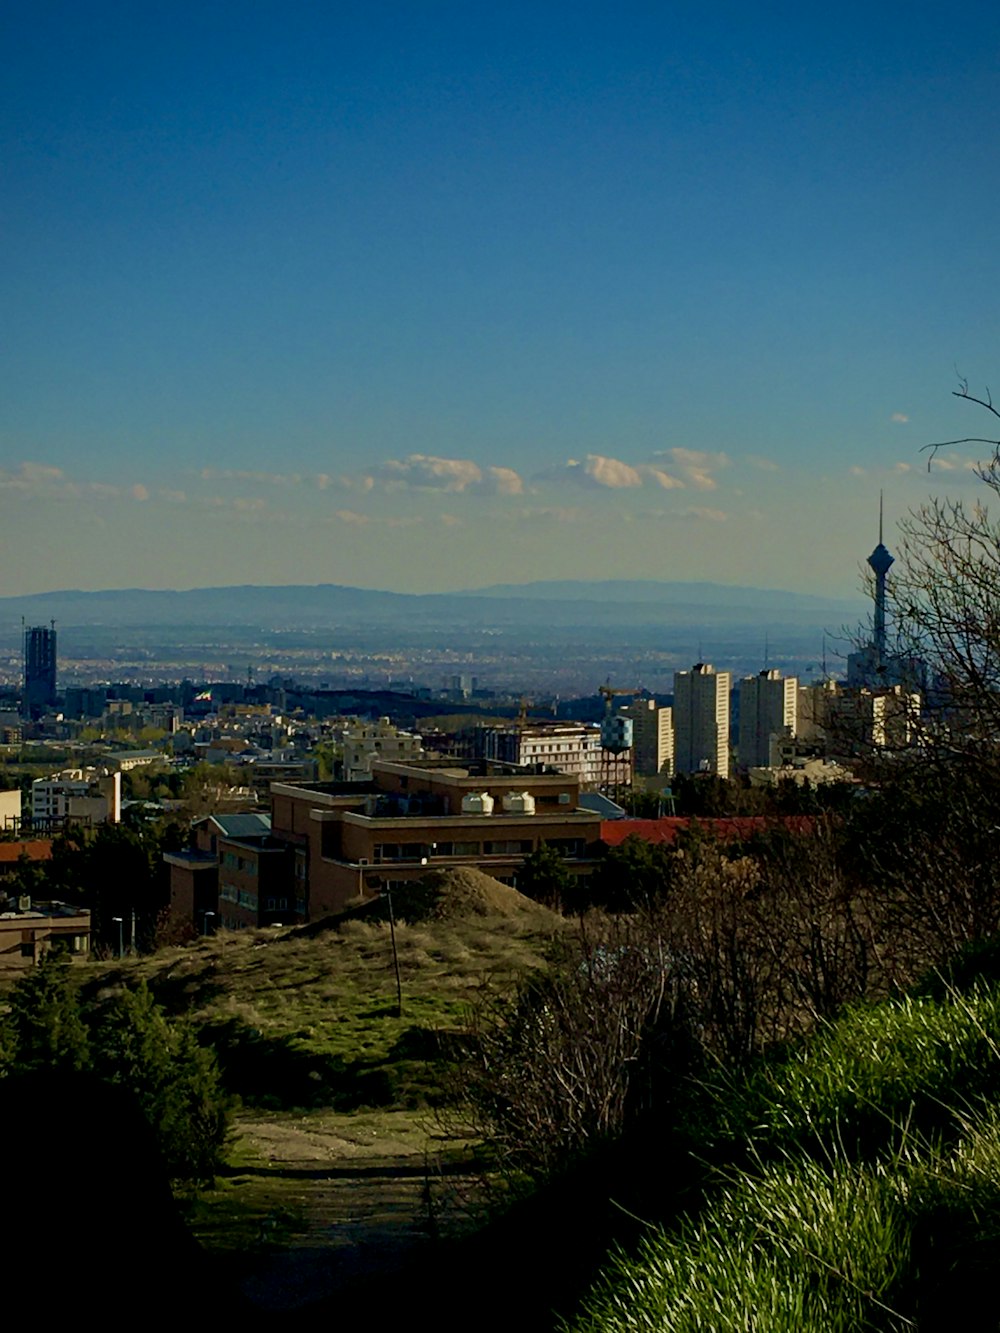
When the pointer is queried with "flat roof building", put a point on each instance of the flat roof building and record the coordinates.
(768, 707)
(701, 720)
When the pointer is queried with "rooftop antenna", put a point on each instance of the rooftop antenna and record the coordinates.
(881, 497)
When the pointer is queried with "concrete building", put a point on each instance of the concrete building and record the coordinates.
(10, 810)
(652, 737)
(234, 876)
(367, 741)
(76, 797)
(39, 669)
(768, 707)
(570, 747)
(352, 841)
(863, 720)
(29, 931)
(701, 720)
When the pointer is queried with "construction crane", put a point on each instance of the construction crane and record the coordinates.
(610, 692)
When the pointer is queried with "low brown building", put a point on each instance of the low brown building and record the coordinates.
(27, 933)
(353, 840)
(234, 875)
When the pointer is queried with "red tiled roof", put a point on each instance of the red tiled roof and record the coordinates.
(738, 829)
(40, 849)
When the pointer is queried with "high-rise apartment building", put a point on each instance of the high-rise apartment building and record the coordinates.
(768, 707)
(653, 737)
(39, 669)
(701, 720)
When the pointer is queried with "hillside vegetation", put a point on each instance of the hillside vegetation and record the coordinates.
(308, 1018)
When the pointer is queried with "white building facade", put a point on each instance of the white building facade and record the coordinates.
(701, 720)
(768, 707)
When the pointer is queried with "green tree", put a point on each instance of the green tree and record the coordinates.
(43, 1028)
(545, 878)
(634, 873)
(176, 1081)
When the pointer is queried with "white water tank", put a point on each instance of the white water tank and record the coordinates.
(477, 803)
(518, 803)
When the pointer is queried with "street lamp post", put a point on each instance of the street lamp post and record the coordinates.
(395, 956)
(117, 920)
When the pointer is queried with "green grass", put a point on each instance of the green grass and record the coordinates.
(311, 1021)
(908, 1063)
(867, 1195)
(800, 1248)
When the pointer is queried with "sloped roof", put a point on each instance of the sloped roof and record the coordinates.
(37, 849)
(241, 826)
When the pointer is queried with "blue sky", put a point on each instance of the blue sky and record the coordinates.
(428, 296)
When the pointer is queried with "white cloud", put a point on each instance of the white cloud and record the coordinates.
(42, 481)
(696, 466)
(505, 480)
(602, 471)
(900, 418)
(764, 464)
(664, 479)
(430, 472)
(35, 479)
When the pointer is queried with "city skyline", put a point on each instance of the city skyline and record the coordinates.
(432, 301)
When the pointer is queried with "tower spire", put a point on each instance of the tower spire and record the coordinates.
(880, 561)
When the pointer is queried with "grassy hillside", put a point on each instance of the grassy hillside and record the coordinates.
(857, 1186)
(308, 1018)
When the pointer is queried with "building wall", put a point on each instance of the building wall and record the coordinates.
(349, 854)
(10, 809)
(653, 737)
(768, 706)
(379, 740)
(571, 748)
(701, 720)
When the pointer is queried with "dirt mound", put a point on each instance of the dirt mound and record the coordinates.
(466, 891)
(449, 895)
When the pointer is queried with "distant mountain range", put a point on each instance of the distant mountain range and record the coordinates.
(553, 603)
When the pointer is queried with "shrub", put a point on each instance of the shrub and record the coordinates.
(131, 1043)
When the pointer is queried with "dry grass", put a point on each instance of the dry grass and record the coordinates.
(316, 1015)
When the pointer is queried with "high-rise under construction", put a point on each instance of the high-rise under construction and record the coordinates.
(39, 669)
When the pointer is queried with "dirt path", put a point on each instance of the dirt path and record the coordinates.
(364, 1191)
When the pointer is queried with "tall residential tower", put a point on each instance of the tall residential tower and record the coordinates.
(701, 720)
(768, 707)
